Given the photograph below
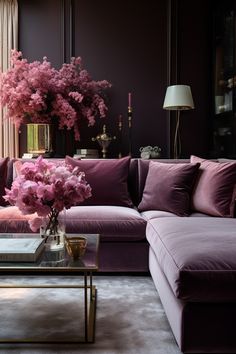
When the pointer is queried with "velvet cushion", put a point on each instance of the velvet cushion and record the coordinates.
(214, 191)
(197, 256)
(12, 220)
(168, 187)
(108, 180)
(113, 223)
(3, 178)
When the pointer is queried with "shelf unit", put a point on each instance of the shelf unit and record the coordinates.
(224, 80)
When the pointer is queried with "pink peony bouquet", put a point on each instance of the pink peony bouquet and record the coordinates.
(46, 189)
(38, 93)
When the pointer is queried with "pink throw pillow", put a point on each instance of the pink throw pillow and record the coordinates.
(214, 191)
(108, 180)
(3, 179)
(168, 187)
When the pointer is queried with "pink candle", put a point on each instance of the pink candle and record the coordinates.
(129, 99)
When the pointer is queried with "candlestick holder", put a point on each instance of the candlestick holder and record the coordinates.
(130, 129)
(120, 125)
(104, 141)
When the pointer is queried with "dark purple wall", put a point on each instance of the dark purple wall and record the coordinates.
(126, 43)
(194, 69)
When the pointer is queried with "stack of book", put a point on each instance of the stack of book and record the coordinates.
(20, 249)
(86, 154)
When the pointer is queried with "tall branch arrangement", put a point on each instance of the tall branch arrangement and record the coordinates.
(38, 93)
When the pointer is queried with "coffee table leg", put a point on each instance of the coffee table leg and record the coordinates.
(86, 306)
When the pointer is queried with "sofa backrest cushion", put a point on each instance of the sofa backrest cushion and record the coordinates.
(214, 190)
(108, 180)
(143, 167)
(15, 164)
(3, 179)
(168, 187)
(133, 184)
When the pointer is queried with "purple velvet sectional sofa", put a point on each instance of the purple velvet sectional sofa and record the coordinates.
(173, 218)
(110, 212)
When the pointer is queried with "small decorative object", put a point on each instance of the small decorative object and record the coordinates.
(38, 93)
(178, 98)
(104, 141)
(86, 154)
(39, 139)
(120, 124)
(149, 152)
(46, 188)
(76, 246)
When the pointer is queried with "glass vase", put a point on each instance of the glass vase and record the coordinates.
(53, 231)
(39, 139)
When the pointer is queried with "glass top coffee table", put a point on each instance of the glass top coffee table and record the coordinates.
(60, 263)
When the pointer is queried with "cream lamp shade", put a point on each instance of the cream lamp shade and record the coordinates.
(178, 97)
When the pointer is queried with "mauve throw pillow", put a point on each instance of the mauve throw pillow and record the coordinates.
(168, 187)
(214, 190)
(3, 178)
(108, 180)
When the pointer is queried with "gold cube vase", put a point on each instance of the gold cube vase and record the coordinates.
(39, 139)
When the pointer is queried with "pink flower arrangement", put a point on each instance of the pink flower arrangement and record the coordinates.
(46, 189)
(38, 93)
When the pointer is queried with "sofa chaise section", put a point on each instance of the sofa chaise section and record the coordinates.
(192, 262)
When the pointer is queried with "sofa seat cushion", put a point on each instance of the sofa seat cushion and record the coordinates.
(113, 223)
(197, 256)
(152, 214)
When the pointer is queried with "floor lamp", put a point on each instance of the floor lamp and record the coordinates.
(178, 98)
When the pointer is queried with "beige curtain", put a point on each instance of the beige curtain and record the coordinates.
(9, 137)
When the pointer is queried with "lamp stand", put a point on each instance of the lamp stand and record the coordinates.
(177, 140)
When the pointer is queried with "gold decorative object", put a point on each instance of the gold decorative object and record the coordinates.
(76, 246)
(104, 141)
(120, 124)
(130, 129)
(39, 139)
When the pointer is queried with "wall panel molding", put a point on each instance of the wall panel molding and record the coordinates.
(172, 64)
(68, 33)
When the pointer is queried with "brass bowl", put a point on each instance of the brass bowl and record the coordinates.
(76, 246)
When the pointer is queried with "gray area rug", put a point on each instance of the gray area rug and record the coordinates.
(130, 318)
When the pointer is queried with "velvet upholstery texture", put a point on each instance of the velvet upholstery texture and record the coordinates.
(113, 223)
(198, 327)
(108, 180)
(12, 220)
(15, 165)
(197, 256)
(214, 190)
(168, 187)
(143, 167)
(3, 179)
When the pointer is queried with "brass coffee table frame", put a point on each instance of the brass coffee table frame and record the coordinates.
(90, 294)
